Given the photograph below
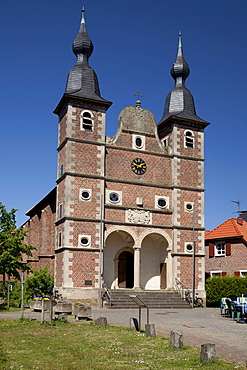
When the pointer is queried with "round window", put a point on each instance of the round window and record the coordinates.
(189, 207)
(138, 142)
(189, 248)
(161, 202)
(114, 197)
(85, 195)
(84, 241)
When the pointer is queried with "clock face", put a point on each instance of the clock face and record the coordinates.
(138, 166)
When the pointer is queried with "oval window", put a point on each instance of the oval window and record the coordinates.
(189, 248)
(85, 195)
(114, 197)
(138, 142)
(189, 207)
(161, 202)
(84, 241)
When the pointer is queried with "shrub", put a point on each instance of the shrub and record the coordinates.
(40, 283)
(224, 286)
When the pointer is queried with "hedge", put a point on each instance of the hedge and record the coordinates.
(224, 286)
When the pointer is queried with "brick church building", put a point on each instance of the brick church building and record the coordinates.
(128, 208)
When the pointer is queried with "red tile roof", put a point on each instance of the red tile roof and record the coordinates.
(231, 228)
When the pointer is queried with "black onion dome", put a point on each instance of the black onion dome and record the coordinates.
(180, 102)
(82, 80)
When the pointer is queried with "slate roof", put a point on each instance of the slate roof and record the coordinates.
(179, 102)
(82, 80)
(231, 228)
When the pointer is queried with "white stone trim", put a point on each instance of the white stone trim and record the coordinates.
(67, 281)
(142, 137)
(157, 197)
(91, 118)
(88, 245)
(85, 199)
(118, 192)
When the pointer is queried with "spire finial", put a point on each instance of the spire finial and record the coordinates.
(180, 67)
(83, 15)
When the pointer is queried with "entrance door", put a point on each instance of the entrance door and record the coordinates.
(162, 275)
(126, 270)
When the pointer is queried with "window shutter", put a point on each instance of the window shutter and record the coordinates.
(237, 273)
(211, 249)
(228, 249)
(223, 273)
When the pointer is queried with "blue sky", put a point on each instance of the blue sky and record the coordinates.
(135, 45)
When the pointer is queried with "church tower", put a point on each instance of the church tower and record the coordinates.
(181, 132)
(81, 169)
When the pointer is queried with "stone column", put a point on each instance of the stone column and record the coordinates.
(137, 268)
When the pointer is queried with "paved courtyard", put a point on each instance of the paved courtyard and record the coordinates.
(199, 326)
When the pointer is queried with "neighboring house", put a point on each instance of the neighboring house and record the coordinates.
(123, 207)
(226, 249)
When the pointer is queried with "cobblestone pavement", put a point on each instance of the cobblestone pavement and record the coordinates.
(199, 326)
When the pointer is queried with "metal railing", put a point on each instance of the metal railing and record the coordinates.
(106, 294)
(182, 289)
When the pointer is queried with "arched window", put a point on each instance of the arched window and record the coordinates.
(189, 139)
(87, 120)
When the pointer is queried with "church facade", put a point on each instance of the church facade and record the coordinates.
(126, 210)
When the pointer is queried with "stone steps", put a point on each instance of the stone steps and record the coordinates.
(153, 299)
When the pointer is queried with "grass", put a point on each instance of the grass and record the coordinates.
(67, 346)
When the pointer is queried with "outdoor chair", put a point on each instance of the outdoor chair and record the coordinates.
(223, 307)
(236, 311)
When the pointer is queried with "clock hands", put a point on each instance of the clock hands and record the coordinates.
(138, 165)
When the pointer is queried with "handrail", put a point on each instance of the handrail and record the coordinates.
(182, 289)
(107, 293)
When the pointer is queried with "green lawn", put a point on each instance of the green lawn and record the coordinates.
(31, 345)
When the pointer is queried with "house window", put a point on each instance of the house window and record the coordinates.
(60, 211)
(220, 249)
(87, 120)
(215, 273)
(243, 273)
(189, 139)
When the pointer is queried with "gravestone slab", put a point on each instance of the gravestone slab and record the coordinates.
(176, 339)
(208, 352)
(150, 330)
(101, 321)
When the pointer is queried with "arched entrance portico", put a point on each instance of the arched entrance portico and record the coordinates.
(142, 262)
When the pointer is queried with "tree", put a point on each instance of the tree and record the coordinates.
(41, 282)
(12, 247)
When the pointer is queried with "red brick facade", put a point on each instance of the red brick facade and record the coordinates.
(128, 208)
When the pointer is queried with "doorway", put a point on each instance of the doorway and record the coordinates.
(163, 276)
(126, 270)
